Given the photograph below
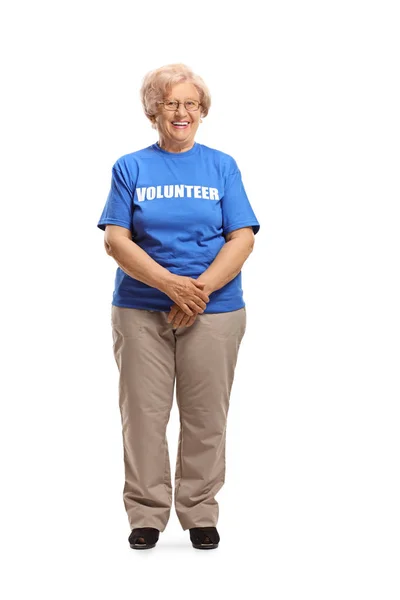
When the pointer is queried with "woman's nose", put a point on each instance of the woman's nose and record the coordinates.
(181, 110)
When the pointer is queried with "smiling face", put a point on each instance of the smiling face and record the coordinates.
(174, 137)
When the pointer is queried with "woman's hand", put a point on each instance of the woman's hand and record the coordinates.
(188, 293)
(179, 318)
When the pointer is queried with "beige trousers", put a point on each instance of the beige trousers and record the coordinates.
(151, 355)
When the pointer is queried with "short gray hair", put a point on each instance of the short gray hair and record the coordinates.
(156, 84)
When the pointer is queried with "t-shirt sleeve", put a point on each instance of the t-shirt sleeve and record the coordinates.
(237, 211)
(118, 209)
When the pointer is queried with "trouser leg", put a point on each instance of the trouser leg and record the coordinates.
(206, 356)
(145, 355)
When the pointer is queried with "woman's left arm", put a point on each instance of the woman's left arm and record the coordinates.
(230, 259)
(226, 265)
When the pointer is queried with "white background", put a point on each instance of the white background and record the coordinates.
(305, 96)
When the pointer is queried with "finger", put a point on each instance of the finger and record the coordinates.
(190, 322)
(198, 306)
(172, 313)
(177, 318)
(176, 323)
(186, 319)
(201, 298)
(186, 323)
(174, 310)
(186, 309)
(201, 294)
(202, 305)
(180, 318)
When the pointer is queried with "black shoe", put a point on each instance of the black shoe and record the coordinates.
(204, 538)
(142, 538)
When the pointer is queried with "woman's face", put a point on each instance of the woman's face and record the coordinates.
(170, 134)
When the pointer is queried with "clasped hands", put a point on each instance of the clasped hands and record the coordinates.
(190, 293)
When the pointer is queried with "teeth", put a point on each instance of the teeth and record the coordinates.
(180, 122)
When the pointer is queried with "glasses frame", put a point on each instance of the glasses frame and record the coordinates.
(179, 103)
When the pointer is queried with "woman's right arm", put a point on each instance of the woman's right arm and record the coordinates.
(133, 260)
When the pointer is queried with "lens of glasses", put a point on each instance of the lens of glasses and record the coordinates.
(189, 104)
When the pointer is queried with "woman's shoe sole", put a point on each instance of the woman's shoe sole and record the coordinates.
(205, 546)
(142, 546)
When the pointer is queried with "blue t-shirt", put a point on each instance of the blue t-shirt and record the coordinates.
(178, 207)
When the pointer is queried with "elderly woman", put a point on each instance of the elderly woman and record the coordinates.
(179, 225)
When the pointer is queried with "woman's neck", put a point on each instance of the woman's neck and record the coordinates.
(171, 147)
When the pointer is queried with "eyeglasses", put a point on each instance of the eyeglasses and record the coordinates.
(174, 104)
